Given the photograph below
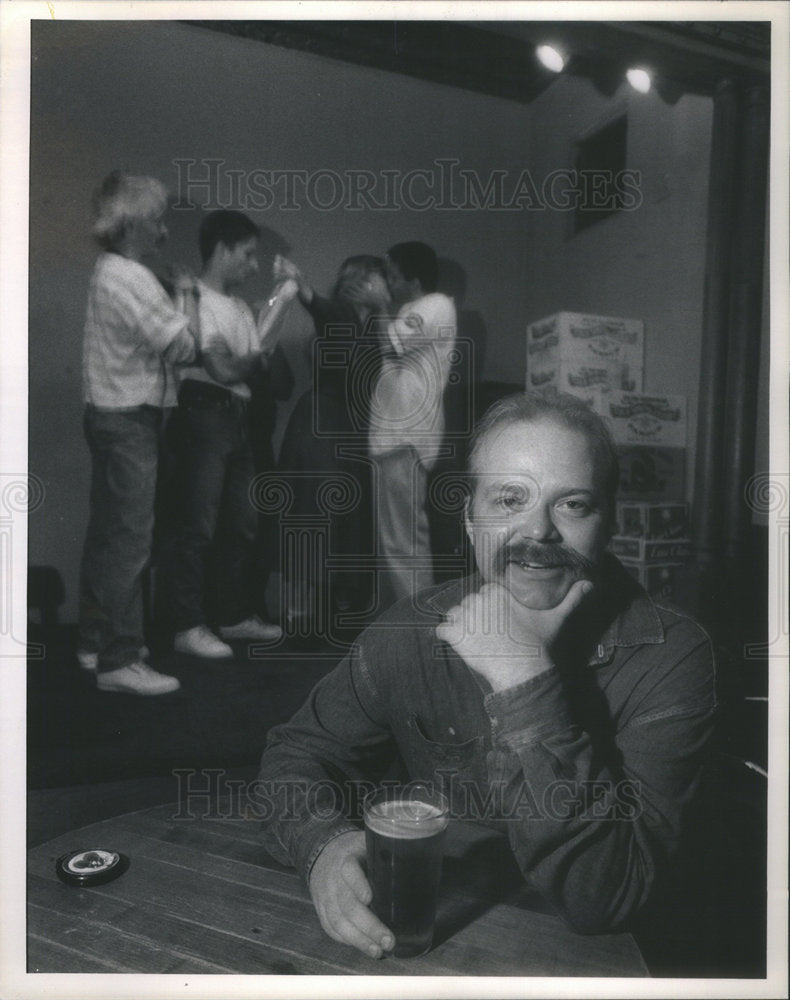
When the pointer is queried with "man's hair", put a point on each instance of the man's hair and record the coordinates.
(227, 227)
(122, 199)
(416, 260)
(565, 410)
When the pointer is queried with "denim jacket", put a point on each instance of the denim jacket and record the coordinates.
(588, 768)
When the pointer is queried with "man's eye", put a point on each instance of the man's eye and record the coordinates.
(576, 506)
(511, 501)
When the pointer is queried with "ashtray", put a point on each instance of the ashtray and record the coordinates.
(94, 867)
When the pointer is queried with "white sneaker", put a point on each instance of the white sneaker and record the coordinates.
(89, 661)
(201, 641)
(253, 629)
(137, 678)
(86, 659)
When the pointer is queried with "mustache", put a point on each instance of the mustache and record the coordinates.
(541, 554)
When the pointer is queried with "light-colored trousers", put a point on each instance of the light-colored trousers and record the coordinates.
(403, 532)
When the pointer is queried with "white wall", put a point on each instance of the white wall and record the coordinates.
(647, 263)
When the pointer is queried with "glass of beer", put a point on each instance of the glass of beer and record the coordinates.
(404, 834)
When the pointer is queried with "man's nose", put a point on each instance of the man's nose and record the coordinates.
(254, 264)
(536, 523)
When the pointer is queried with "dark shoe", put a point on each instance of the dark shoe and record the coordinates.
(89, 660)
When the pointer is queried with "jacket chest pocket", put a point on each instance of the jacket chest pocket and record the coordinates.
(444, 749)
(457, 764)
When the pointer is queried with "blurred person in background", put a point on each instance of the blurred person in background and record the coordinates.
(216, 519)
(407, 422)
(134, 338)
(327, 432)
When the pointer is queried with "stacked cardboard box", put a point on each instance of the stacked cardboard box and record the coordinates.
(652, 539)
(652, 543)
(584, 354)
(600, 359)
(650, 434)
(665, 520)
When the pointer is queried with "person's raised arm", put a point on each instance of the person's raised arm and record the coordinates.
(432, 317)
(286, 270)
(227, 367)
(147, 309)
(187, 301)
(272, 311)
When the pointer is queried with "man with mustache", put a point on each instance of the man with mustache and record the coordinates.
(548, 694)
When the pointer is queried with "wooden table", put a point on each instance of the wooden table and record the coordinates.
(201, 896)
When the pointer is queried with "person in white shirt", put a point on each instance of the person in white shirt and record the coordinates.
(407, 416)
(134, 336)
(213, 452)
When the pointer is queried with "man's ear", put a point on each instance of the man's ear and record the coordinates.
(467, 517)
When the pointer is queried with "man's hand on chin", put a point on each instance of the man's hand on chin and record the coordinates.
(504, 641)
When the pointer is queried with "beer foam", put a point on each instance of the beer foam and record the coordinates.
(406, 819)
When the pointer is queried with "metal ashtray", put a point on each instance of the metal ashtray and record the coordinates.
(87, 868)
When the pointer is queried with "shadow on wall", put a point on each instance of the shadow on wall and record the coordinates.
(471, 325)
(182, 251)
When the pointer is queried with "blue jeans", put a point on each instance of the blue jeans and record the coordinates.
(217, 520)
(124, 448)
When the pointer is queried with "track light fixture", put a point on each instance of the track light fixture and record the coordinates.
(551, 58)
(640, 79)
(606, 74)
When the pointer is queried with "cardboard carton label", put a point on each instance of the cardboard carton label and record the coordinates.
(651, 550)
(614, 331)
(649, 473)
(586, 378)
(538, 331)
(653, 520)
(543, 346)
(637, 418)
(578, 329)
(541, 378)
(657, 407)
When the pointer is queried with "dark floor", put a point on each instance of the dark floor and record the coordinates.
(92, 754)
(219, 718)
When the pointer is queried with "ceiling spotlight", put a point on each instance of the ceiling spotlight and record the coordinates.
(551, 58)
(639, 80)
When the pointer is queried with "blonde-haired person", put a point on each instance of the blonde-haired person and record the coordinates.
(134, 337)
(326, 436)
